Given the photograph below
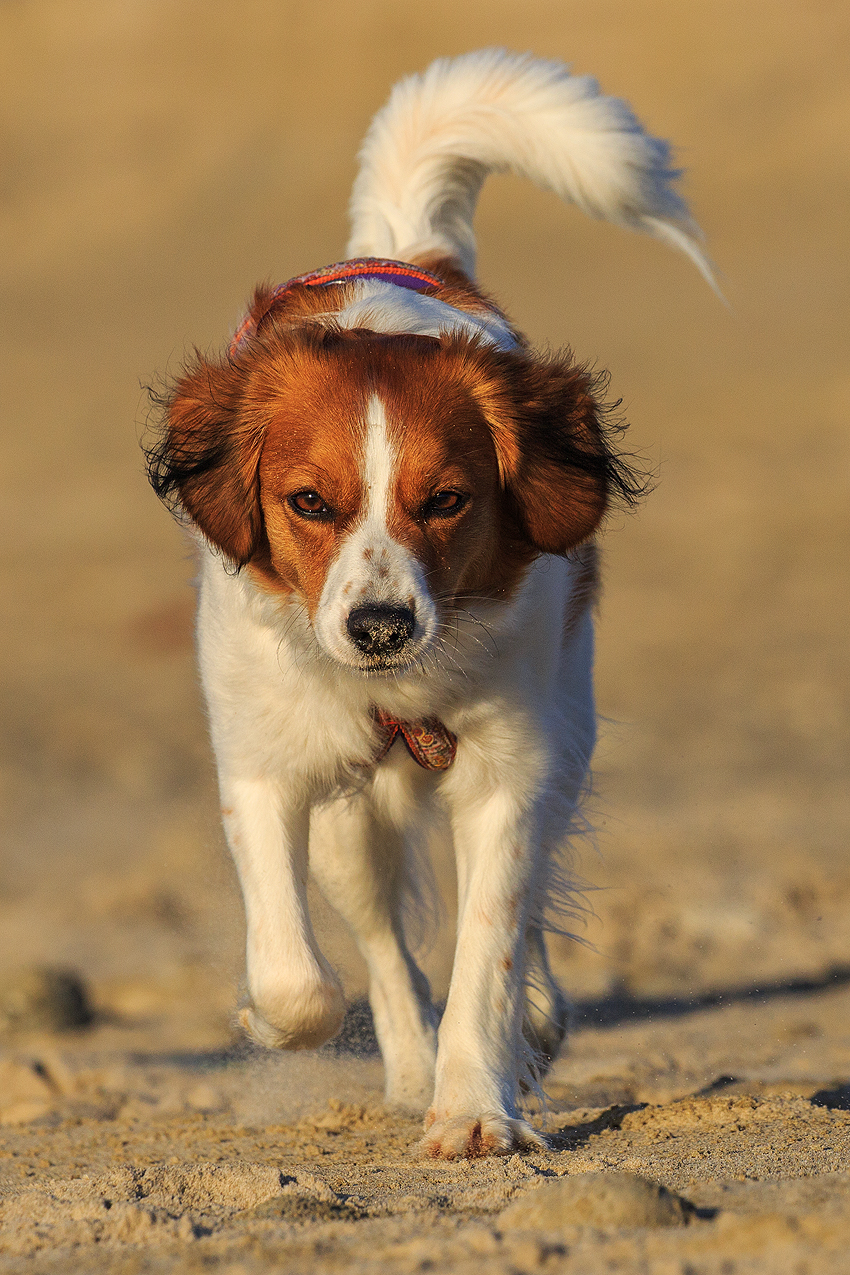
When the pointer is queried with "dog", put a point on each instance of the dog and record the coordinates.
(396, 502)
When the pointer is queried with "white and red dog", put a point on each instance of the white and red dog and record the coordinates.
(396, 500)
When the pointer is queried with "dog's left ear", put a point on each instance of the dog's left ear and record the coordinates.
(554, 450)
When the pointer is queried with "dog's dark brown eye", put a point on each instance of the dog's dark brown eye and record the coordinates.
(309, 504)
(443, 504)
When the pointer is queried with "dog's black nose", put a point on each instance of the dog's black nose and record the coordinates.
(380, 630)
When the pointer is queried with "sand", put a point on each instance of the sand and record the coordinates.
(160, 160)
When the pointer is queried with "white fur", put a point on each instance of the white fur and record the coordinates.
(291, 712)
(430, 148)
(384, 307)
(371, 566)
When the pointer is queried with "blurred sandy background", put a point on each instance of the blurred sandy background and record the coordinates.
(160, 158)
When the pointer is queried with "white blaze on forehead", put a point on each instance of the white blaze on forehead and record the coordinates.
(372, 568)
(379, 464)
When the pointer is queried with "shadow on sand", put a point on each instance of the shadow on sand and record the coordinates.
(357, 1035)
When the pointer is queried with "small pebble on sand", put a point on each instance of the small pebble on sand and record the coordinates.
(42, 998)
(596, 1199)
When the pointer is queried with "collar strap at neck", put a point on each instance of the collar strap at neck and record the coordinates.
(401, 273)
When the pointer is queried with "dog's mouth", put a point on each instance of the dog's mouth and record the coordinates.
(415, 661)
(384, 668)
(386, 665)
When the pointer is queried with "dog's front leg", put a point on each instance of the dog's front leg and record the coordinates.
(296, 999)
(475, 1109)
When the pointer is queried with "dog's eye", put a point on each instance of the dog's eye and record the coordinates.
(444, 504)
(309, 504)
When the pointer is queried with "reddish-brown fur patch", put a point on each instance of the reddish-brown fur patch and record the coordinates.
(298, 304)
(315, 437)
(476, 1146)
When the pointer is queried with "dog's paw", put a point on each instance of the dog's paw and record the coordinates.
(296, 1022)
(472, 1137)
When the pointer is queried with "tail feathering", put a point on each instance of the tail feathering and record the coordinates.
(429, 149)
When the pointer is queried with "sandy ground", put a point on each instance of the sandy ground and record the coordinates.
(161, 158)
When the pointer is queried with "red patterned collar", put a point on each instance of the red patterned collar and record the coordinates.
(400, 273)
(431, 744)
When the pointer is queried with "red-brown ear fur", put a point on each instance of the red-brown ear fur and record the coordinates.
(208, 457)
(553, 446)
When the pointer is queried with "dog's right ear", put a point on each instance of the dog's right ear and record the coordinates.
(206, 461)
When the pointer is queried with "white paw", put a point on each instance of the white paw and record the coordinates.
(297, 1021)
(472, 1137)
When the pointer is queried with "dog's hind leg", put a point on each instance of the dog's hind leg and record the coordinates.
(547, 1010)
(359, 864)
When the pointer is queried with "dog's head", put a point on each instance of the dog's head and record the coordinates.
(383, 479)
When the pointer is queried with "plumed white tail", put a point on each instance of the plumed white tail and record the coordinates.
(429, 149)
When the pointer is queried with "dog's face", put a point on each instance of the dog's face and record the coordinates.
(379, 496)
(385, 479)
